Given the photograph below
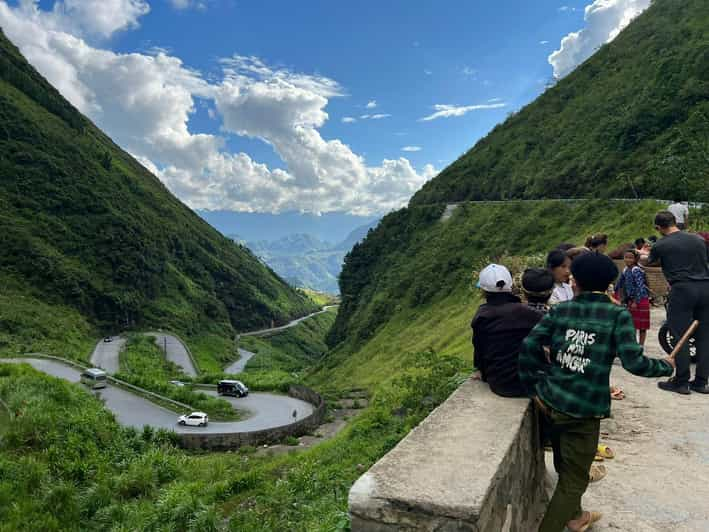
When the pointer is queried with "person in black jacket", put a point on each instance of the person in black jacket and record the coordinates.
(499, 327)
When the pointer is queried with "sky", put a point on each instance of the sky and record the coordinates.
(311, 106)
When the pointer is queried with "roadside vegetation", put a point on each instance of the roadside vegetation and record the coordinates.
(143, 364)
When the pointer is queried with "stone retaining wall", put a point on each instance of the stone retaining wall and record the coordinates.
(235, 440)
(475, 465)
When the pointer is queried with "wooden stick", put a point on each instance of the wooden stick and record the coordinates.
(685, 337)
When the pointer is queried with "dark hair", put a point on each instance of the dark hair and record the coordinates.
(633, 252)
(555, 258)
(665, 219)
(594, 272)
(537, 284)
(652, 239)
(639, 242)
(594, 241)
(565, 246)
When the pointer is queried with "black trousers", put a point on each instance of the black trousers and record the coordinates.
(689, 301)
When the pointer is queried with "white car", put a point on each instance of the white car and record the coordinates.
(195, 419)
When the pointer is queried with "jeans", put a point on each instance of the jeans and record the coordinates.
(689, 301)
(574, 441)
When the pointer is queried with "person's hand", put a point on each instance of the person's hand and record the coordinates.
(671, 361)
(547, 353)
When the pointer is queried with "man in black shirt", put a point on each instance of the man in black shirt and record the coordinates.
(685, 262)
(499, 327)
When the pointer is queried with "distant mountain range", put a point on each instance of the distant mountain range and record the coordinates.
(305, 260)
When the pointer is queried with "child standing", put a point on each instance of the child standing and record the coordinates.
(572, 394)
(559, 263)
(633, 292)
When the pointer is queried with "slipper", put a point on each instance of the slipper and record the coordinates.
(588, 519)
(596, 473)
(598, 458)
(604, 451)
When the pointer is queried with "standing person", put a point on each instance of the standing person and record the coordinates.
(597, 243)
(559, 264)
(572, 394)
(684, 258)
(632, 291)
(681, 213)
(499, 327)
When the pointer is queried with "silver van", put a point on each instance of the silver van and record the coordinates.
(94, 378)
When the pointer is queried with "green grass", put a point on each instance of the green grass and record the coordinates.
(67, 465)
(292, 350)
(143, 364)
(320, 298)
(29, 324)
(212, 351)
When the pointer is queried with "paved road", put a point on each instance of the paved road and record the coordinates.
(175, 352)
(288, 325)
(106, 354)
(267, 410)
(239, 365)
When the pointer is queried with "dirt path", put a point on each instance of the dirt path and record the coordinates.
(660, 477)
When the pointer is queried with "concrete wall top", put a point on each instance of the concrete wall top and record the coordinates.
(446, 467)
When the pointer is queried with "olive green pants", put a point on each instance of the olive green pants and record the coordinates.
(574, 442)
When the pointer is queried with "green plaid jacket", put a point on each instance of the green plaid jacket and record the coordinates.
(584, 335)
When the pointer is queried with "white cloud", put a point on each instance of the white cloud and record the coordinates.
(605, 19)
(379, 116)
(447, 111)
(348, 119)
(364, 117)
(189, 4)
(100, 18)
(493, 100)
(543, 42)
(144, 102)
(564, 9)
(467, 71)
(411, 148)
(371, 104)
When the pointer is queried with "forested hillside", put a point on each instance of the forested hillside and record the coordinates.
(632, 121)
(90, 235)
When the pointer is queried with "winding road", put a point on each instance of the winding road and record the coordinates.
(267, 410)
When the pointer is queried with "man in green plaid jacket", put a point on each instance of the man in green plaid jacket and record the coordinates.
(565, 365)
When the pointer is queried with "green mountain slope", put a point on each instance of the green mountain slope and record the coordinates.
(637, 111)
(632, 121)
(86, 227)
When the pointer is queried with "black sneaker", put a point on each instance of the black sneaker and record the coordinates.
(673, 386)
(699, 388)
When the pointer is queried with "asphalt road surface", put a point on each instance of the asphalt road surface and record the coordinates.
(105, 355)
(239, 365)
(287, 325)
(175, 352)
(266, 410)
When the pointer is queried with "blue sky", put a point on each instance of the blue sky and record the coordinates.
(265, 131)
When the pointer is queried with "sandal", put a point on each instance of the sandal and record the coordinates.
(603, 451)
(596, 473)
(587, 519)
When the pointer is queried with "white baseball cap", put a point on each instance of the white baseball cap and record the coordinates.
(495, 278)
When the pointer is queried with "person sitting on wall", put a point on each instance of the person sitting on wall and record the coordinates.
(499, 327)
(537, 286)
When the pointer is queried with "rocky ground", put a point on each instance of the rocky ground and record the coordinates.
(659, 479)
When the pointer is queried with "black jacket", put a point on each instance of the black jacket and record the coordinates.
(499, 327)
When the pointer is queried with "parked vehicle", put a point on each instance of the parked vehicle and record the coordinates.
(177, 383)
(232, 387)
(195, 419)
(108, 339)
(94, 378)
